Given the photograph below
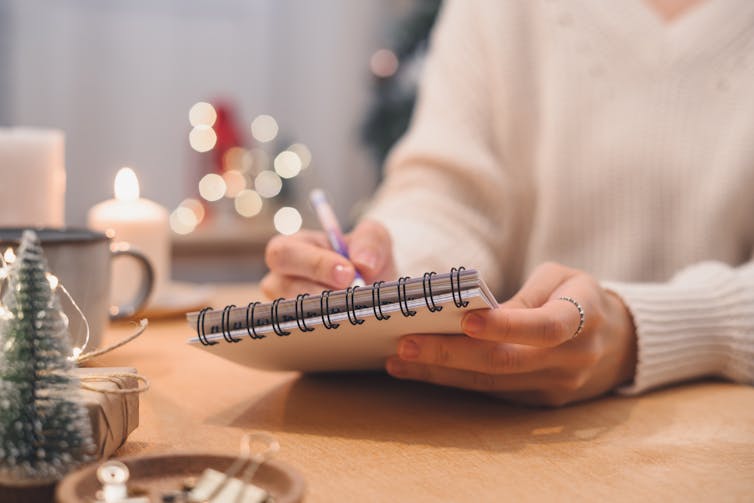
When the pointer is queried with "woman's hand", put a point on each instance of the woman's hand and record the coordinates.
(304, 262)
(526, 350)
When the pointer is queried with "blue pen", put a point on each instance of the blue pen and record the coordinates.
(330, 225)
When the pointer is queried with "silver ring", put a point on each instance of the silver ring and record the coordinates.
(581, 314)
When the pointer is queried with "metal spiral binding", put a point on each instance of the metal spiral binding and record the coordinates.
(351, 310)
(250, 328)
(403, 299)
(324, 309)
(200, 332)
(428, 297)
(377, 303)
(225, 324)
(300, 315)
(460, 302)
(275, 321)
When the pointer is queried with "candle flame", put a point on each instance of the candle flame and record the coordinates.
(9, 256)
(126, 185)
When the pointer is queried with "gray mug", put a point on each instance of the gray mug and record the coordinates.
(81, 259)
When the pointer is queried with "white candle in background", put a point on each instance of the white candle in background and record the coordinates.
(32, 177)
(139, 222)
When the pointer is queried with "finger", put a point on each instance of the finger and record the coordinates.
(288, 256)
(370, 247)
(314, 237)
(275, 285)
(548, 326)
(539, 286)
(464, 353)
(465, 379)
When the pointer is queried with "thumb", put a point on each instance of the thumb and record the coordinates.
(370, 247)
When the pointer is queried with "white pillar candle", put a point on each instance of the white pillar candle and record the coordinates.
(32, 177)
(141, 223)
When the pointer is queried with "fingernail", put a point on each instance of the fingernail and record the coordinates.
(408, 350)
(365, 258)
(342, 274)
(395, 368)
(472, 324)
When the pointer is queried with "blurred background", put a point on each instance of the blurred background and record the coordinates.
(227, 110)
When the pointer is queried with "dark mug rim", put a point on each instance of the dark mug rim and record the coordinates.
(53, 235)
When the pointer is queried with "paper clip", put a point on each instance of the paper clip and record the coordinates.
(248, 458)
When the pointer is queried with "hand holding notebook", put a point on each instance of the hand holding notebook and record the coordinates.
(352, 329)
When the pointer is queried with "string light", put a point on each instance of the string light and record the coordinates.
(287, 220)
(196, 207)
(233, 159)
(248, 203)
(202, 114)
(53, 280)
(9, 256)
(287, 164)
(183, 220)
(212, 187)
(303, 153)
(235, 182)
(268, 184)
(264, 128)
(202, 138)
(260, 159)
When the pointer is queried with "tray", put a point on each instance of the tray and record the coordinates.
(163, 473)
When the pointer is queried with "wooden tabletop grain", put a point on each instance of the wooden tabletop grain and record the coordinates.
(368, 437)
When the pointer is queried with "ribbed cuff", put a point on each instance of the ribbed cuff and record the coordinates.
(699, 324)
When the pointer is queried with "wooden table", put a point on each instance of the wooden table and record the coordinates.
(372, 438)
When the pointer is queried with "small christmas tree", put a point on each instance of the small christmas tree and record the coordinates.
(44, 427)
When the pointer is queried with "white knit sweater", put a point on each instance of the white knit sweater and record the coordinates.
(590, 133)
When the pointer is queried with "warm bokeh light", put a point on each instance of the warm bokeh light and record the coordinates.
(261, 160)
(384, 63)
(264, 128)
(303, 153)
(287, 220)
(268, 184)
(53, 280)
(9, 256)
(233, 159)
(202, 114)
(248, 203)
(247, 162)
(202, 138)
(126, 186)
(235, 182)
(195, 206)
(183, 220)
(212, 187)
(287, 164)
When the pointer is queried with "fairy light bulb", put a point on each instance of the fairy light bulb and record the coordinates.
(9, 256)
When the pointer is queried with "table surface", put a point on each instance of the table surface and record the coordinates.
(368, 437)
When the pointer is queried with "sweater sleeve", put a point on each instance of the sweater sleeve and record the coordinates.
(440, 196)
(701, 323)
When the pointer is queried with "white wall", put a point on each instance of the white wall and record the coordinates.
(119, 77)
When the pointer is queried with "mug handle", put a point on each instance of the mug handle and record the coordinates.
(145, 288)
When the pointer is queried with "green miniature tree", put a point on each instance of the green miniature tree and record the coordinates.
(44, 426)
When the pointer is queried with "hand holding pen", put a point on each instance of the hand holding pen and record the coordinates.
(312, 261)
(330, 225)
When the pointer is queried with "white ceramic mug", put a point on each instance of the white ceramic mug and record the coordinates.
(81, 259)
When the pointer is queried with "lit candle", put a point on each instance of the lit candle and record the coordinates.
(32, 177)
(141, 223)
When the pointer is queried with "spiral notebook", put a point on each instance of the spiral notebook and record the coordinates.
(352, 329)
